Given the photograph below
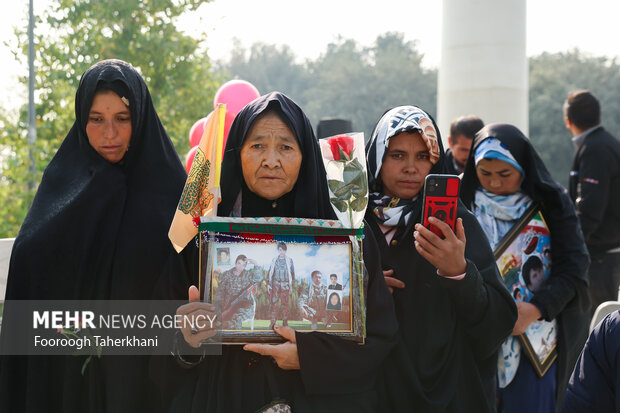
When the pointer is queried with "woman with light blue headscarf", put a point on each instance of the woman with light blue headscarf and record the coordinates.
(504, 176)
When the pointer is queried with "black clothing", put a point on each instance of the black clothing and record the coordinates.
(564, 295)
(449, 330)
(450, 164)
(336, 375)
(595, 382)
(594, 186)
(604, 277)
(99, 231)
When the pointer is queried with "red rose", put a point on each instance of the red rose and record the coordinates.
(341, 142)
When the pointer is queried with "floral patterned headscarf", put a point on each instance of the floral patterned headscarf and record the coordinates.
(394, 211)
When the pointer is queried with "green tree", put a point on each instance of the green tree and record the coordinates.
(347, 80)
(552, 76)
(269, 68)
(72, 35)
(360, 84)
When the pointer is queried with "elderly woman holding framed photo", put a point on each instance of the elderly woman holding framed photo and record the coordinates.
(272, 167)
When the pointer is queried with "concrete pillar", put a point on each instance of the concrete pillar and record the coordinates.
(483, 69)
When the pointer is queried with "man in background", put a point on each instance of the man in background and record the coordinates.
(334, 285)
(462, 132)
(594, 186)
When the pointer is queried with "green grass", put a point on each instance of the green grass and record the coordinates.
(297, 325)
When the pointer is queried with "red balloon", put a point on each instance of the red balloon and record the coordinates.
(235, 94)
(189, 158)
(195, 132)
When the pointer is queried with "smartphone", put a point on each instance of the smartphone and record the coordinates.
(440, 200)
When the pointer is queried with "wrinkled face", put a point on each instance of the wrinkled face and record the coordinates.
(537, 278)
(460, 150)
(316, 278)
(498, 177)
(270, 158)
(405, 166)
(240, 266)
(109, 126)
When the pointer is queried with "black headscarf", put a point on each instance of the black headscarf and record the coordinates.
(336, 374)
(564, 295)
(96, 230)
(309, 197)
(99, 230)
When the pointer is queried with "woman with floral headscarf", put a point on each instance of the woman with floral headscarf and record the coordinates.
(452, 308)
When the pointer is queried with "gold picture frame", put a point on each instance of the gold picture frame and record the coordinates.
(260, 270)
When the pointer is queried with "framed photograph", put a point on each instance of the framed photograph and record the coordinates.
(523, 257)
(307, 274)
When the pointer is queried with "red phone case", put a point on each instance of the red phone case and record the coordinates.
(443, 202)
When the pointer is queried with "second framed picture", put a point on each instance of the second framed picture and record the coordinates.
(523, 257)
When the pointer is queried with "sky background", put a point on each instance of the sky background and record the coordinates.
(326, 258)
(552, 26)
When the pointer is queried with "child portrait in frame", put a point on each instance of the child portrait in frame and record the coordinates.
(523, 257)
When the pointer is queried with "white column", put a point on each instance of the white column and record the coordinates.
(483, 69)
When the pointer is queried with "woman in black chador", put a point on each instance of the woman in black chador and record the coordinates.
(272, 167)
(97, 230)
(452, 308)
(504, 176)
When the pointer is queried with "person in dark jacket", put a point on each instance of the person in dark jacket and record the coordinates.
(593, 386)
(594, 185)
(314, 371)
(504, 176)
(462, 132)
(452, 308)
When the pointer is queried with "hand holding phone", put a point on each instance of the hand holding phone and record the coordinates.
(440, 200)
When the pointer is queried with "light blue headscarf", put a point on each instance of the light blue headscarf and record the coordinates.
(497, 214)
(493, 149)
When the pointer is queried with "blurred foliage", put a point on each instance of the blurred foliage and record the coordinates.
(347, 81)
(552, 76)
(359, 84)
(70, 36)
